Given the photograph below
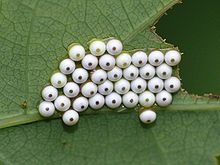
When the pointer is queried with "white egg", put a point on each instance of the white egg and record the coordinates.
(99, 76)
(138, 85)
(131, 72)
(89, 62)
(122, 86)
(147, 72)
(80, 75)
(147, 116)
(115, 74)
(156, 58)
(113, 100)
(89, 89)
(130, 99)
(62, 103)
(164, 71)
(97, 47)
(71, 89)
(49, 93)
(163, 98)
(80, 104)
(123, 60)
(106, 88)
(97, 101)
(107, 62)
(70, 117)
(155, 85)
(76, 52)
(139, 59)
(172, 57)
(67, 66)
(172, 84)
(58, 80)
(46, 109)
(114, 47)
(147, 99)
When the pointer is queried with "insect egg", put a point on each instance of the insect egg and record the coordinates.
(123, 60)
(138, 85)
(114, 47)
(107, 62)
(147, 116)
(147, 99)
(147, 72)
(76, 52)
(155, 85)
(156, 58)
(46, 109)
(113, 100)
(130, 99)
(97, 101)
(172, 84)
(67, 66)
(172, 57)
(122, 86)
(80, 75)
(89, 62)
(89, 89)
(71, 89)
(49, 93)
(80, 104)
(97, 48)
(115, 74)
(139, 59)
(164, 71)
(62, 103)
(106, 88)
(163, 98)
(58, 80)
(131, 72)
(70, 117)
(99, 76)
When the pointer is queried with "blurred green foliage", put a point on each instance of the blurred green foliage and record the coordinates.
(194, 27)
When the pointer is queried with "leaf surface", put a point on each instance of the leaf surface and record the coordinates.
(34, 36)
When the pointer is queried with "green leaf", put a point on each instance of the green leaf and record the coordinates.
(34, 36)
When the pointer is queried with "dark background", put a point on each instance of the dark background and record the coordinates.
(194, 27)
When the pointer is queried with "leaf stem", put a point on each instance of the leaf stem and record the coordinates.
(35, 116)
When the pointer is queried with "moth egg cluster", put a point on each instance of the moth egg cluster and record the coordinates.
(106, 75)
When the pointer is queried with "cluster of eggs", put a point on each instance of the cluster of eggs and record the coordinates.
(108, 76)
